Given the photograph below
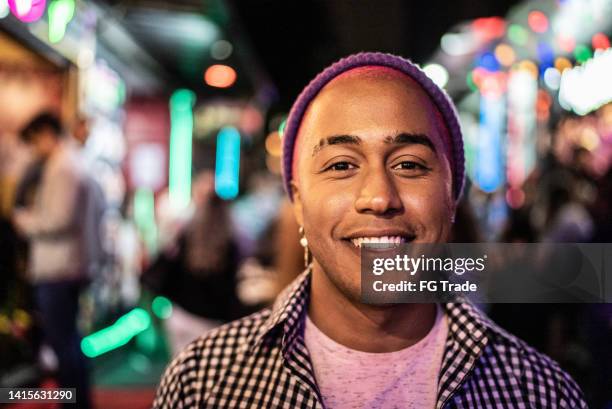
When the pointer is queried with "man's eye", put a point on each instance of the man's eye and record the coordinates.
(409, 165)
(340, 166)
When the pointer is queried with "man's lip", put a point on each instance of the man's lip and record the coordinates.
(379, 233)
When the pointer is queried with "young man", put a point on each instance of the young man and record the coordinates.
(57, 266)
(372, 153)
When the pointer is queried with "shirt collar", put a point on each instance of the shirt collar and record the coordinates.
(288, 310)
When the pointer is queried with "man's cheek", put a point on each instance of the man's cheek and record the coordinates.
(429, 207)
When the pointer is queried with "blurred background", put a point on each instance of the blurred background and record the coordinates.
(175, 111)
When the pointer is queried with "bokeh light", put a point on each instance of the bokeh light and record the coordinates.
(457, 44)
(546, 54)
(220, 76)
(552, 78)
(562, 64)
(469, 80)
(515, 198)
(488, 28)
(181, 132)
(60, 14)
(437, 73)
(600, 41)
(27, 10)
(518, 34)
(227, 164)
(505, 54)
(221, 50)
(488, 62)
(529, 66)
(543, 103)
(582, 53)
(161, 307)
(273, 144)
(4, 9)
(566, 43)
(281, 128)
(537, 21)
(117, 335)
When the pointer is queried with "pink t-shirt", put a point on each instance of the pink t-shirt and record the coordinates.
(350, 379)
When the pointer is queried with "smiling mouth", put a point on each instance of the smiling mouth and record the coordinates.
(381, 241)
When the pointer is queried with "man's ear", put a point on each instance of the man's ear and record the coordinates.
(298, 210)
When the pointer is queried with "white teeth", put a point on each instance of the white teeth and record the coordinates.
(359, 241)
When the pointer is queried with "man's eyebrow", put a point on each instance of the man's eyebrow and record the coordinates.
(406, 138)
(335, 140)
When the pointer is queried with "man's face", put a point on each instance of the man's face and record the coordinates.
(43, 142)
(371, 162)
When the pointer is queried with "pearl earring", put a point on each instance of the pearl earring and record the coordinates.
(304, 243)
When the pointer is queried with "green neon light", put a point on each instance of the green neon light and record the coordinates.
(144, 217)
(162, 307)
(60, 13)
(117, 335)
(181, 132)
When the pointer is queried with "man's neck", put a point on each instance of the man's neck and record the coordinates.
(364, 327)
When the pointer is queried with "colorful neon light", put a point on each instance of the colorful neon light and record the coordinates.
(181, 134)
(60, 13)
(489, 170)
(117, 335)
(227, 167)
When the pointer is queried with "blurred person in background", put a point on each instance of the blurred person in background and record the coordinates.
(372, 152)
(197, 270)
(57, 264)
(567, 219)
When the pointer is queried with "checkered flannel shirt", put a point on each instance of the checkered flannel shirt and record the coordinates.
(261, 361)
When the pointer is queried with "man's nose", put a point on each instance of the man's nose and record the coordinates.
(378, 194)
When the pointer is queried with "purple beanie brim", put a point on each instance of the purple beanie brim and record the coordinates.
(437, 95)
